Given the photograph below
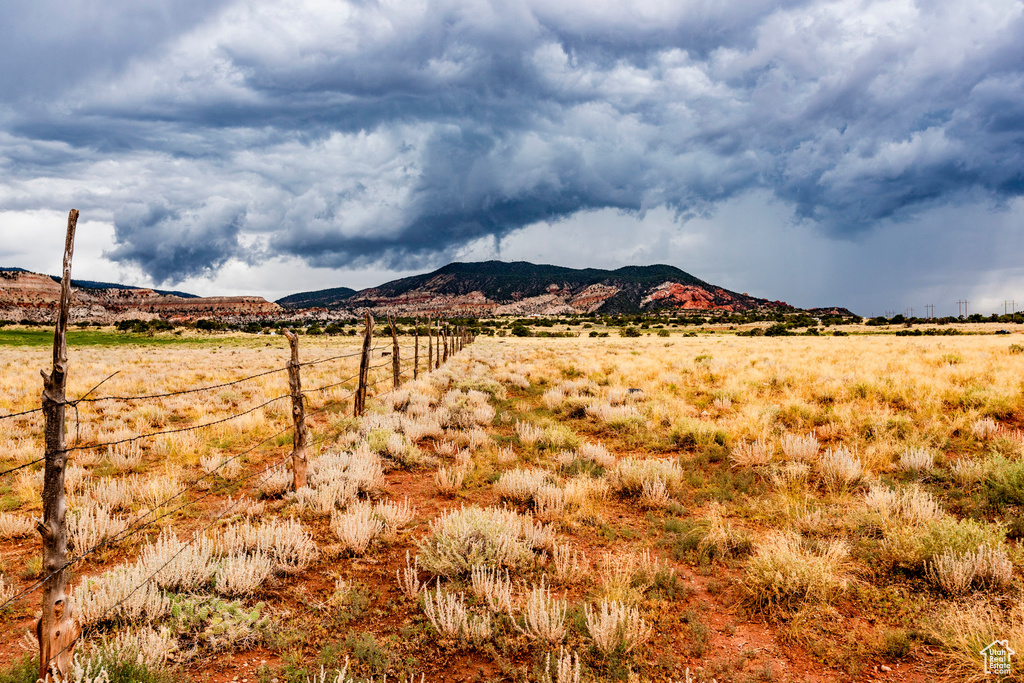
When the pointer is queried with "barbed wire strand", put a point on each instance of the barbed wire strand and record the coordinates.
(120, 536)
(173, 557)
(149, 578)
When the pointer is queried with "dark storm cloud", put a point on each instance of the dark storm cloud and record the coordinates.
(355, 133)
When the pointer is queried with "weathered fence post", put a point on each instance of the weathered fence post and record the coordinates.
(396, 366)
(437, 347)
(298, 414)
(430, 344)
(444, 333)
(416, 351)
(364, 364)
(57, 629)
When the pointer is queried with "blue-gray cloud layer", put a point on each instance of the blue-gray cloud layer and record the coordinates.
(386, 132)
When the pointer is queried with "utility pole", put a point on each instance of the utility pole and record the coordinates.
(961, 308)
(929, 311)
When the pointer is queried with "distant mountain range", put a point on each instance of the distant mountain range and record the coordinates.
(521, 288)
(458, 289)
(321, 298)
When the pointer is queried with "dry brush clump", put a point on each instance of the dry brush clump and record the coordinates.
(462, 539)
(448, 614)
(357, 527)
(492, 586)
(543, 616)
(631, 474)
(615, 627)
(785, 572)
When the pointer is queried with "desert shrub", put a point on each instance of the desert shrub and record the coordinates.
(528, 433)
(718, 539)
(493, 587)
(17, 526)
(177, 565)
(697, 435)
(800, 448)
(839, 469)
(284, 540)
(785, 572)
(565, 668)
(463, 410)
(597, 454)
(92, 525)
(397, 450)
(106, 663)
(630, 475)
(751, 453)
(448, 614)
(956, 573)
(910, 547)
(557, 436)
(543, 616)
(615, 628)
(984, 428)
(243, 574)
(462, 539)
(917, 459)
(1004, 481)
(356, 528)
(7, 590)
(911, 505)
(124, 594)
(337, 478)
(521, 486)
(395, 515)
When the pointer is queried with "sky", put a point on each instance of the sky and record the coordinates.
(851, 153)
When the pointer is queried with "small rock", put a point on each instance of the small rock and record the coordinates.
(886, 668)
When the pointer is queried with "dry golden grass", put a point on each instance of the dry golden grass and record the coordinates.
(552, 493)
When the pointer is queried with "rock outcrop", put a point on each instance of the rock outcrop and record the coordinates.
(32, 296)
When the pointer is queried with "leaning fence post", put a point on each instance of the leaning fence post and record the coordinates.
(396, 367)
(298, 414)
(444, 333)
(364, 364)
(430, 344)
(416, 351)
(57, 629)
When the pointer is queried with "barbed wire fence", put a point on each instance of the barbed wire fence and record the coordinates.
(55, 653)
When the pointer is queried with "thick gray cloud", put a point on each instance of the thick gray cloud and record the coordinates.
(348, 134)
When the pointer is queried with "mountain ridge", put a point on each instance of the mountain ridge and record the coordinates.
(520, 287)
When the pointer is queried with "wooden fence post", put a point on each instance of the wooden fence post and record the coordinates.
(57, 629)
(396, 366)
(444, 333)
(416, 352)
(437, 347)
(364, 364)
(430, 344)
(298, 414)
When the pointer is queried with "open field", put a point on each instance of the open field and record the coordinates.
(651, 509)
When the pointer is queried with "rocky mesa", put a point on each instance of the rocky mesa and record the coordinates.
(31, 296)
